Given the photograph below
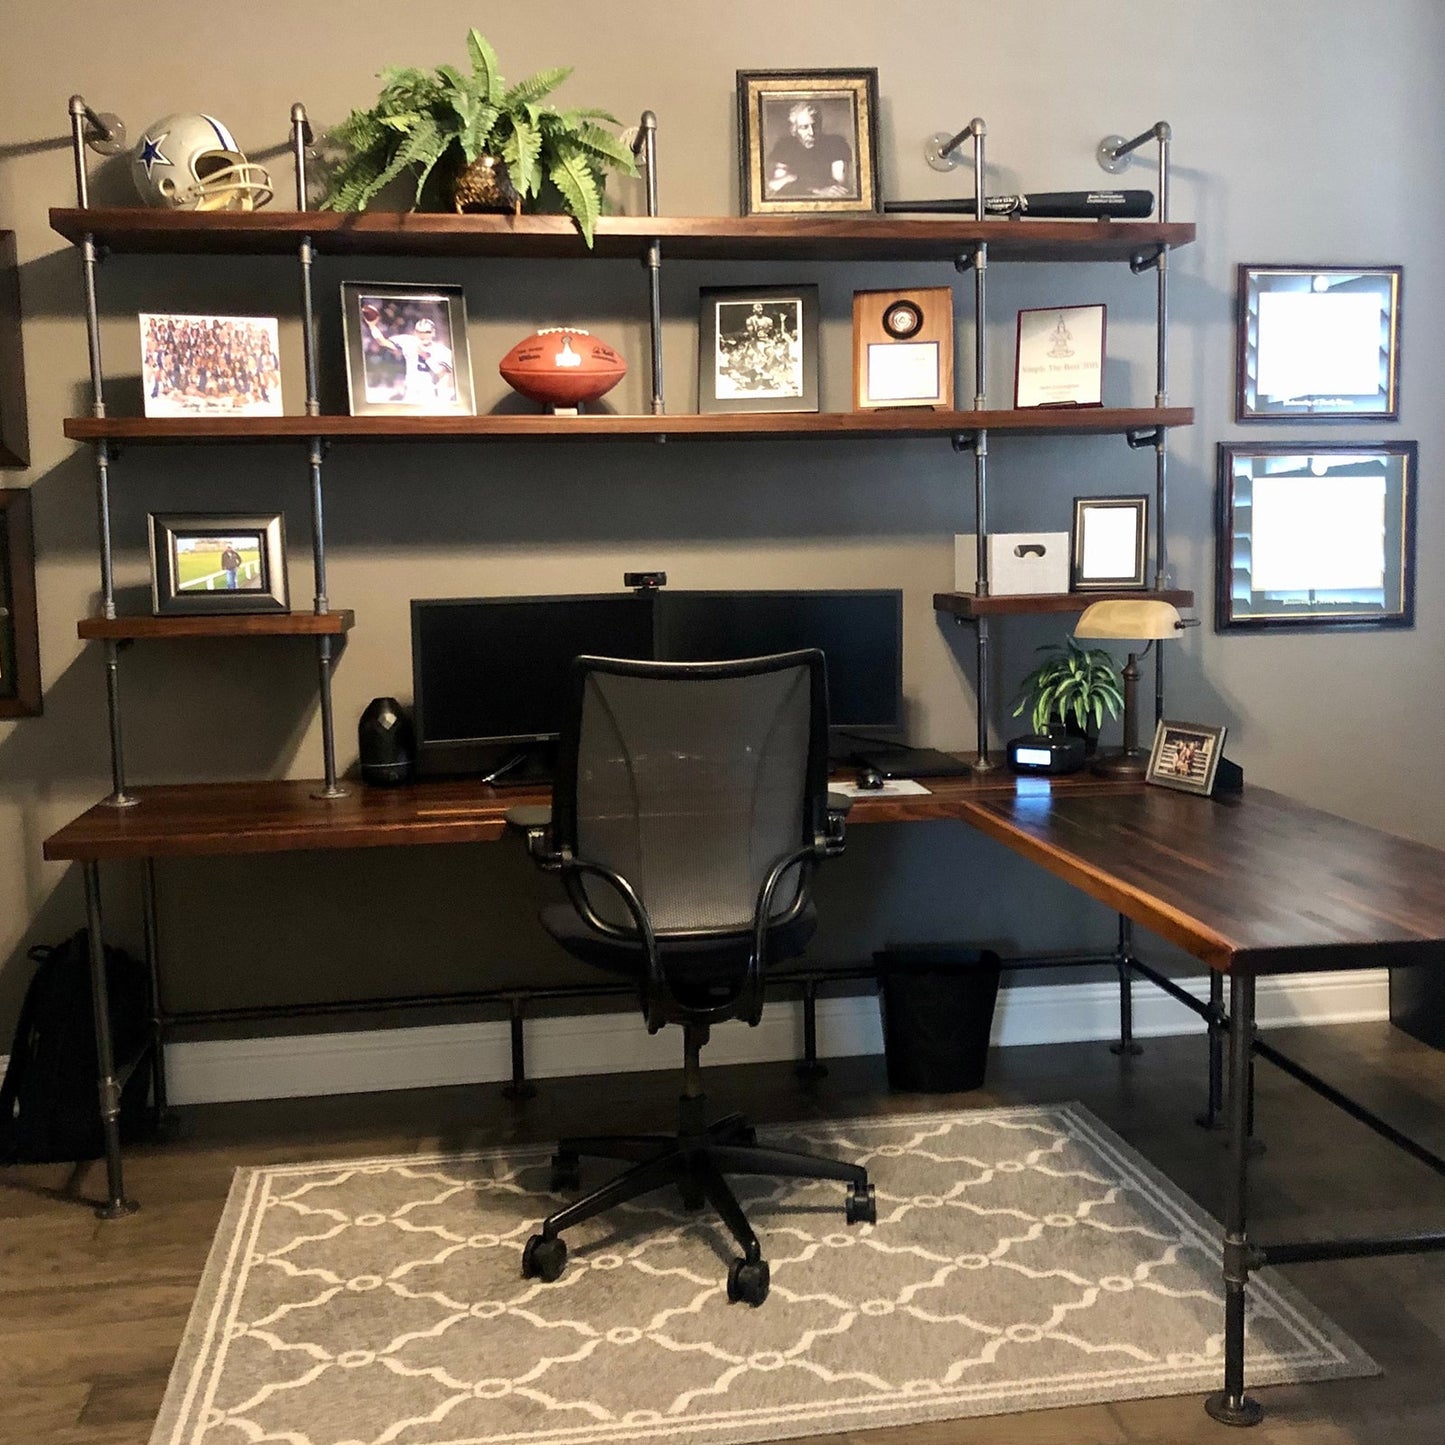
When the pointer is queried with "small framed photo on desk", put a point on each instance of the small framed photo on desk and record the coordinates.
(1185, 756)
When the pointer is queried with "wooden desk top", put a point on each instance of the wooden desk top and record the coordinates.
(1259, 882)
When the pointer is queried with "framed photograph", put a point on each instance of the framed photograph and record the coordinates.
(903, 348)
(406, 350)
(1315, 534)
(210, 365)
(217, 562)
(1185, 756)
(1110, 543)
(14, 430)
(19, 631)
(809, 141)
(1060, 357)
(757, 348)
(1318, 341)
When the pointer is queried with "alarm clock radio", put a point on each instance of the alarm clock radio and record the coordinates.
(1047, 753)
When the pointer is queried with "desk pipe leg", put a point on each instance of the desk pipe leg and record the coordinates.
(116, 1204)
(1123, 961)
(1231, 1406)
(808, 1066)
(521, 1087)
(1212, 1117)
(159, 1092)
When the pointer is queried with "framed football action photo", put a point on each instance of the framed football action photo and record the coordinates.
(809, 141)
(210, 365)
(758, 349)
(222, 562)
(1185, 756)
(1321, 342)
(406, 350)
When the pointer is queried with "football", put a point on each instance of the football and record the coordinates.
(562, 366)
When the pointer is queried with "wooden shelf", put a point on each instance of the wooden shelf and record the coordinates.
(965, 604)
(905, 422)
(265, 624)
(140, 230)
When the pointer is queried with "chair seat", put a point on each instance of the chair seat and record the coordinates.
(700, 970)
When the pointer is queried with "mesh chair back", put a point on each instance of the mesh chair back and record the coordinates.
(691, 780)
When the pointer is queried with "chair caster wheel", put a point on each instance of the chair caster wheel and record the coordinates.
(544, 1258)
(861, 1206)
(748, 1281)
(694, 1197)
(566, 1172)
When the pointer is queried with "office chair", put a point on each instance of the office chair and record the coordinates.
(689, 810)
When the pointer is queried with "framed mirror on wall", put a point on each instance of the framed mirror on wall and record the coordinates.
(20, 693)
(1318, 341)
(1315, 534)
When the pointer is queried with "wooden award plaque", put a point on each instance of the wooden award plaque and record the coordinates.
(903, 348)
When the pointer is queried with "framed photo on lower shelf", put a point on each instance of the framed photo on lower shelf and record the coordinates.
(210, 562)
(20, 694)
(757, 349)
(1110, 543)
(406, 349)
(1185, 756)
(1060, 357)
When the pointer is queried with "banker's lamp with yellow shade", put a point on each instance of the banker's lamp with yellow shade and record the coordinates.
(1143, 619)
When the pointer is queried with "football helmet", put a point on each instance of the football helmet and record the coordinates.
(192, 163)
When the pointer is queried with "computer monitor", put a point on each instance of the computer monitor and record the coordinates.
(491, 672)
(860, 633)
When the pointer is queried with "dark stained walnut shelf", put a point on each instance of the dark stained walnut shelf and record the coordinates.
(965, 604)
(143, 231)
(264, 624)
(905, 422)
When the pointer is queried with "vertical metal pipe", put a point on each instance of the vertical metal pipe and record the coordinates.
(520, 1086)
(1209, 1119)
(1123, 961)
(108, 1086)
(808, 1066)
(102, 518)
(159, 1092)
(330, 788)
(77, 149)
(1232, 1406)
(118, 798)
(300, 139)
(654, 321)
(320, 601)
(306, 255)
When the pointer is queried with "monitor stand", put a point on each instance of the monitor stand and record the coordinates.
(905, 762)
(531, 766)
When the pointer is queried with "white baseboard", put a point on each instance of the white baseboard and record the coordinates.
(470, 1053)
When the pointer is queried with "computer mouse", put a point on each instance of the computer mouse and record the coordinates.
(870, 779)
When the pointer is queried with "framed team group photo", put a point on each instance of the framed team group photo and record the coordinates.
(210, 365)
(808, 141)
(406, 350)
(758, 349)
(217, 562)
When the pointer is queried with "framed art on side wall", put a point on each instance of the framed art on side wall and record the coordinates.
(809, 141)
(20, 694)
(14, 431)
(758, 349)
(223, 562)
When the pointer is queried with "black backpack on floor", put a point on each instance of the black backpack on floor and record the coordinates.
(50, 1100)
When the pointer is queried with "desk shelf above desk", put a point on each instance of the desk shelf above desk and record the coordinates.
(267, 624)
(966, 605)
(598, 426)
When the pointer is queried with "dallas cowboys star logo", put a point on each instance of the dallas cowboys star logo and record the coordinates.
(150, 152)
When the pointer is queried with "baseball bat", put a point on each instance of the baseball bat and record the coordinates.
(1045, 205)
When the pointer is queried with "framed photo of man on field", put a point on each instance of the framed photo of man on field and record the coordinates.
(809, 141)
(214, 562)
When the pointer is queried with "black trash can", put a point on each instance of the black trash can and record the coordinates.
(937, 1001)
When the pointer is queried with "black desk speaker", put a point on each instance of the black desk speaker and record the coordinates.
(388, 746)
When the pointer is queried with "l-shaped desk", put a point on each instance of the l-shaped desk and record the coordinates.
(1254, 885)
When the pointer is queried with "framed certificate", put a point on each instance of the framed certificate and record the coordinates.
(1060, 357)
(903, 348)
(1318, 341)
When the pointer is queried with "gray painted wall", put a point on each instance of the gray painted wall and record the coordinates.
(1301, 134)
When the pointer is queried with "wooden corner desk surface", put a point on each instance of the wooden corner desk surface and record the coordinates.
(1258, 882)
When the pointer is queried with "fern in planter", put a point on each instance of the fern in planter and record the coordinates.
(1074, 685)
(445, 121)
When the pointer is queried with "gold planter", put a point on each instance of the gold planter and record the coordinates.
(485, 185)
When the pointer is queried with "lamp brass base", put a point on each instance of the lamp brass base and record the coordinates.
(1122, 765)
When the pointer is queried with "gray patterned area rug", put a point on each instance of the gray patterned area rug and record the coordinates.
(1022, 1258)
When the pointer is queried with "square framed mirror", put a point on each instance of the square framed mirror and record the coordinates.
(1315, 534)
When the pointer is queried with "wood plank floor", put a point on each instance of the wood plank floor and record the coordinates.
(91, 1313)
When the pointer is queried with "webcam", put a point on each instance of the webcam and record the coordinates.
(644, 581)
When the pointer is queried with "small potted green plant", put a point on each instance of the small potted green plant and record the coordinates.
(1073, 688)
(492, 147)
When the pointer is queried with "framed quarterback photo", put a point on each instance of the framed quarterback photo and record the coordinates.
(406, 350)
